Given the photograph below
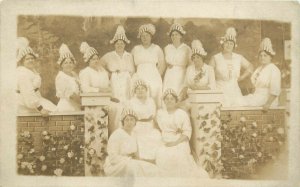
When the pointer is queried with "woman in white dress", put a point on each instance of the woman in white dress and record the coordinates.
(174, 157)
(227, 66)
(149, 60)
(266, 79)
(67, 82)
(120, 64)
(148, 137)
(29, 82)
(122, 160)
(177, 57)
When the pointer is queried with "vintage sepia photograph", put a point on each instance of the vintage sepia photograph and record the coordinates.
(154, 96)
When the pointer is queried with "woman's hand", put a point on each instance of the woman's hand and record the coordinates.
(266, 107)
(44, 112)
(170, 66)
(75, 97)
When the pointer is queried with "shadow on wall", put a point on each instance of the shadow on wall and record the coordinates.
(46, 33)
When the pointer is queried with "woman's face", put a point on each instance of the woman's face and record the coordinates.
(176, 37)
(170, 101)
(129, 122)
(197, 59)
(120, 46)
(94, 61)
(68, 65)
(29, 61)
(141, 92)
(264, 58)
(228, 46)
(146, 38)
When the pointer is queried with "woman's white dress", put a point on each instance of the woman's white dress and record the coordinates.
(119, 162)
(29, 96)
(178, 58)
(227, 72)
(66, 86)
(148, 137)
(176, 161)
(121, 69)
(267, 81)
(146, 60)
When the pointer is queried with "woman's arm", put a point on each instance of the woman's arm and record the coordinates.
(161, 61)
(269, 102)
(247, 66)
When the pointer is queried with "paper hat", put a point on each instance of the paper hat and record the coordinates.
(197, 48)
(176, 27)
(87, 51)
(126, 112)
(23, 49)
(139, 82)
(120, 35)
(64, 52)
(169, 91)
(150, 28)
(230, 35)
(266, 45)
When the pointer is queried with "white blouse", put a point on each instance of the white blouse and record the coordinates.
(92, 80)
(66, 85)
(207, 77)
(179, 56)
(143, 110)
(114, 62)
(152, 54)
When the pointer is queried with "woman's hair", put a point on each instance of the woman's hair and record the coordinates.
(193, 56)
(89, 60)
(21, 62)
(122, 121)
(118, 40)
(267, 52)
(142, 86)
(73, 61)
(234, 44)
(175, 31)
(175, 96)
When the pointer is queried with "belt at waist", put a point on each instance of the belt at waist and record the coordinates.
(37, 89)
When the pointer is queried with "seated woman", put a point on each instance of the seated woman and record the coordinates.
(266, 79)
(174, 157)
(29, 82)
(67, 82)
(148, 137)
(122, 160)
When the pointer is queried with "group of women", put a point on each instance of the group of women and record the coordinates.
(151, 134)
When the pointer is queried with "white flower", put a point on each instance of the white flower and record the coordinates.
(269, 126)
(271, 138)
(44, 167)
(233, 150)
(44, 133)
(42, 158)
(243, 148)
(80, 160)
(91, 151)
(259, 154)
(62, 160)
(19, 156)
(29, 166)
(254, 124)
(58, 172)
(254, 135)
(81, 147)
(53, 149)
(47, 137)
(81, 129)
(26, 134)
(280, 142)
(66, 147)
(242, 119)
(31, 151)
(70, 154)
(241, 156)
(244, 129)
(24, 164)
(31, 171)
(72, 127)
(280, 131)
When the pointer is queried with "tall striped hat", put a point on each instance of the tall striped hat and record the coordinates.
(23, 49)
(169, 91)
(64, 52)
(176, 27)
(87, 51)
(149, 28)
(266, 45)
(126, 112)
(120, 35)
(230, 35)
(197, 48)
(139, 82)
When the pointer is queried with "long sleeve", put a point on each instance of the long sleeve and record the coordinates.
(62, 86)
(275, 81)
(161, 60)
(85, 82)
(211, 79)
(186, 126)
(246, 64)
(131, 67)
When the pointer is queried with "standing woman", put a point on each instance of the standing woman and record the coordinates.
(67, 82)
(143, 105)
(227, 66)
(177, 58)
(174, 157)
(29, 82)
(266, 79)
(149, 59)
(120, 64)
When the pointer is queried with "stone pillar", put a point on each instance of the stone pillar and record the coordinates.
(206, 124)
(96, 131)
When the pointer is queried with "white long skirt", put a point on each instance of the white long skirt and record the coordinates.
(174, 78)
(259, 98)
(120, 83)
(66, 104)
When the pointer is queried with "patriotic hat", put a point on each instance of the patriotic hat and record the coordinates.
(64, 52)
(230, 35)
(170, 91)
(266, 45)
(23, 49)
(176, 27)
(120, 35)
(149, 28)
(139, 82)
(197, 48)
(87, 51)
(126, 112)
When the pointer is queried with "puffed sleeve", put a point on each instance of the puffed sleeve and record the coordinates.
(85, 82)
(211, 79)
(275, 81)
(29, 96)
(246, 64)
(186, 124)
